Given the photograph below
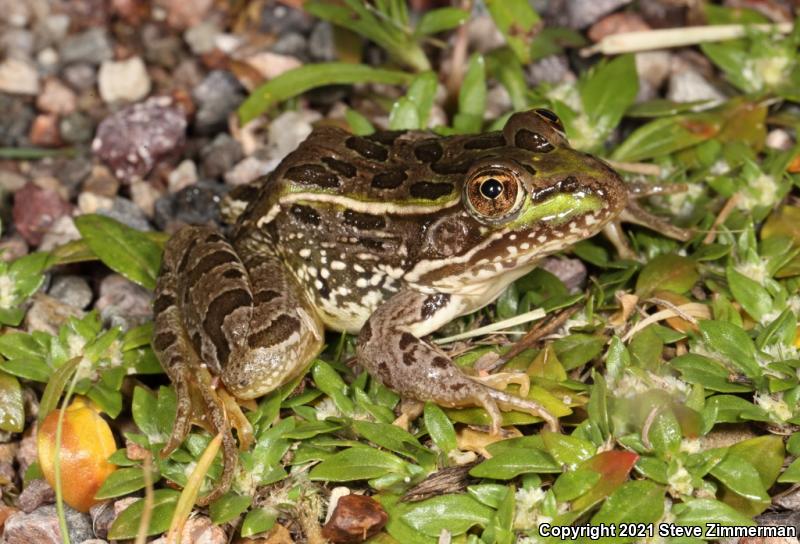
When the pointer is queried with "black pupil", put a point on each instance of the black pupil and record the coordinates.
(491, 188)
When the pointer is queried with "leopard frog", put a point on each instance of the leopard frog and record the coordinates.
(390, 237)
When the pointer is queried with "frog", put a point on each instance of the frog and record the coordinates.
(389, 237)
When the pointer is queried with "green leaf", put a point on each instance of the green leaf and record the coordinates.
(700, 511)
(357, 463)
(439, 20)
(127, 523)
(12, 415)
(740, 477)
(359, 124)
(515, 461)
(310, 76)
(707, 372)
(518, 22)
(578, 349)
(390, 437)
(574, 483)
(667, 135)
(258, 520)
(472, 97)
(634, 502)
(733, 343)
(440, 428)
(608, 91)
(228, 507)
(750, 294)
(123, 481)
(455, 513)
(792, 473)
(330, 382)
(404, 116)
(57, 384)
(667, 272)
(144, 407)
(566, 449)
(124, 250)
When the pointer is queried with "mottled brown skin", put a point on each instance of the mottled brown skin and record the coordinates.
(390, 236)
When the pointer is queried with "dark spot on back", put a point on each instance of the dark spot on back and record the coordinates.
(363, 221)
(440, 362)
(569, 184)
(430, 190)
(433, 303)
(262, 297)
(163, 302)
(324, 290)
(233, 274)
(457, 387)
(428, 151)
(312, 174)
(278, 331)
(246, 193)
(551, 117)
(305, 214)
(220, 308)
(486, 141)
(186, 254)
(340, 167)
(532, 141)
(208, 263)
(449, 168)
(214, 238)
(367, 148)
(366, 333)
(164, 340)
(386, 137)
(408, 359)
(530, 169)
(406, 339)
(389, 180)
(371, 243)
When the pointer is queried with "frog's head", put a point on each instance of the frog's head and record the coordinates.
(532, 197)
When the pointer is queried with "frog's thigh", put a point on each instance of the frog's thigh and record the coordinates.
(284, 332)
(390, 349)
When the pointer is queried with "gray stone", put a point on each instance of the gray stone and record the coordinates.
(128, 213)
(688, 85)
(220, 156)
(581, 13)
(123, 304)
(72, 290)
(15, 121)
(552, 69)
(217, 96)
(76, 128)
(41, 526)
(81, 76)
(202, 38)
(92, 46)
(197, 204)
(11, 181)
(291, 44)
(17, 43)
(35, 494)
(320, 42)
(277, 18)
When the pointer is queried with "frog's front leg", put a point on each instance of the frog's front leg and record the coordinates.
(390, 348)
(242, 320)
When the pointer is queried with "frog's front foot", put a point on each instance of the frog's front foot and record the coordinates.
(390, 348)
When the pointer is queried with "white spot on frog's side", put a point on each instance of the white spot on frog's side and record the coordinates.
(337, 265)
(513, 250)
(357, 267)
(525, 246)
(376, 279)
(312, 271)
(361, 283)
(512, 237)
(542, 238)
(304, 253)
(325, 273)
(590, 220)
(318, 284)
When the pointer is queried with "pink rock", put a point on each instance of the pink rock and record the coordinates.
(183, 14)
(35, 211)
(56, 98)
(134, 139)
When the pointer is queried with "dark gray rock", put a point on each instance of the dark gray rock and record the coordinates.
(71, 290)
(15, 121)
(197, 204)
(35, 494)
(127, 213)
(76, 128)
(220, 156)
(320, 42)
(216, 97)
(92, 46)
(80, 76)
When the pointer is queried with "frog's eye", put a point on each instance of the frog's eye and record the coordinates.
(551, 118)
(493, 194)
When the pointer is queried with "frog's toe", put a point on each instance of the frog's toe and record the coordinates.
(501, 380)
(513, 402)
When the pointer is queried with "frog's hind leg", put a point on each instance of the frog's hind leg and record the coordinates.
(390, 348)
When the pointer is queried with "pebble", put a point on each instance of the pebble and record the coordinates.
(80, 76)
(355, 519)
(15, 121)
(103, 515)
(133, 139)
(571, 272)
(56, 98)
(552, 69)
(687, 84)
(62, 231)
(127, 213)
(123, 81)
(36, 493)
(578, 14)
(216, 97)
(617, 23)
(164, 51)
(249, 169)
(288, 130)
(270, 64)
(197, 204)
(92, 46)
(44, 131)
(15, 13)
(653, 68)
(35, 210)
(72, 290)
(291, 44)
(41, 526)
(183, 14)
(76, 128)
(202, 38)
(320, 43)
(198, 530)
(101, 182)
(144, 195)
(220, 156)
(18, 76)
(51, 29)
(122, 303)
(17, 43)
(779, 139)
(182, 176)
(278, 18)
(13, 247)
(11, 181)
(133, 12)
(28, 452)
